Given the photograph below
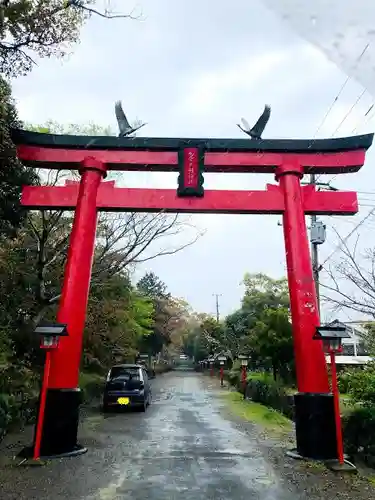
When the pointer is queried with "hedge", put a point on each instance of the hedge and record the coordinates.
(19, 392)
(234, 377)
(19, 403)
(359, 434)
(163, 368)
(358, 425)
(261, 388)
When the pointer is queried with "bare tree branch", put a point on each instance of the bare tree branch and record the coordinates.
(352, 280)
(44, 28)
(107, 13)
(124, 239)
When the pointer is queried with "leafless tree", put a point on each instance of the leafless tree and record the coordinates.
(123, 240)
(351, 280)
(129, 238)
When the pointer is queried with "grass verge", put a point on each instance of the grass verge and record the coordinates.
(268, 418)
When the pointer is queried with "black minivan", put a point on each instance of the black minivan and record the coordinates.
(127, 386)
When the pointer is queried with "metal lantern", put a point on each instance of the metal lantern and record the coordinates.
(332, 343)
(50, 334)
(244, 359)
(331, 336)
(222, 360)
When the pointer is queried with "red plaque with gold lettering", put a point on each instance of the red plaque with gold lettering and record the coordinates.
(191, 164)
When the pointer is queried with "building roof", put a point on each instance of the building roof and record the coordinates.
(350, 360)
(356, 331)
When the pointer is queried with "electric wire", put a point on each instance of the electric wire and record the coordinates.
(338, 247)
(364, 116)
(341, 90)
(349, 111)
(337, 98)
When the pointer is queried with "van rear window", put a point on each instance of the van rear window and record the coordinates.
(119, 371)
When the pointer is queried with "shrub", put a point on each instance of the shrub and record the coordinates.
(234, 377)
(359, 434)
(19, 393)
(92, 364)
(343, 381)
(162, 368)
(261, 388)
(5, 417)
(361, 386)
(91, 385)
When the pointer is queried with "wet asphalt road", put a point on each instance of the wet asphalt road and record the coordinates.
(182, 448)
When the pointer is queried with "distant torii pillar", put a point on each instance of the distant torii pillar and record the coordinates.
(288, 160)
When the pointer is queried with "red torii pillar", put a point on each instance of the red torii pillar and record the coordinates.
(314, 403)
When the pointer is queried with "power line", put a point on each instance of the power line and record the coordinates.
(349, 111)
(366, 192)
(347, 237)
(364, 116)
(340, 91)
(331, 106)
(337, 98)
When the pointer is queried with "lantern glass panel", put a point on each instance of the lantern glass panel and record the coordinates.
(50, 341)
(336, 344)
(326, 345)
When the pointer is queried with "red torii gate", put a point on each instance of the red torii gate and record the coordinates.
(288, 160)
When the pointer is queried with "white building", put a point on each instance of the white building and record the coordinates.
(354, 350)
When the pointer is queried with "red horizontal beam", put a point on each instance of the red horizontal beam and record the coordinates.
(251, 162)
(112, 198)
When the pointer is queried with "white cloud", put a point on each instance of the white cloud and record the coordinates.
(207, 91)
(196, 75)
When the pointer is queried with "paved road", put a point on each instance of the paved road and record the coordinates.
(182, 448)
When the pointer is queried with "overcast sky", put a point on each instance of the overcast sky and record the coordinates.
(193, 69)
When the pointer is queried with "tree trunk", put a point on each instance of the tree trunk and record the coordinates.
(274, 371)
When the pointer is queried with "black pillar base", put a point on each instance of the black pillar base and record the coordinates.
(60, 426)
(315, 426)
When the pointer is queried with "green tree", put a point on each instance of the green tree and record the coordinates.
(12, 173)
(270, 341)
(41, 28)
(118, 318)
(263, 292)
(153, 287)
(368, 339)
(195, 345)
